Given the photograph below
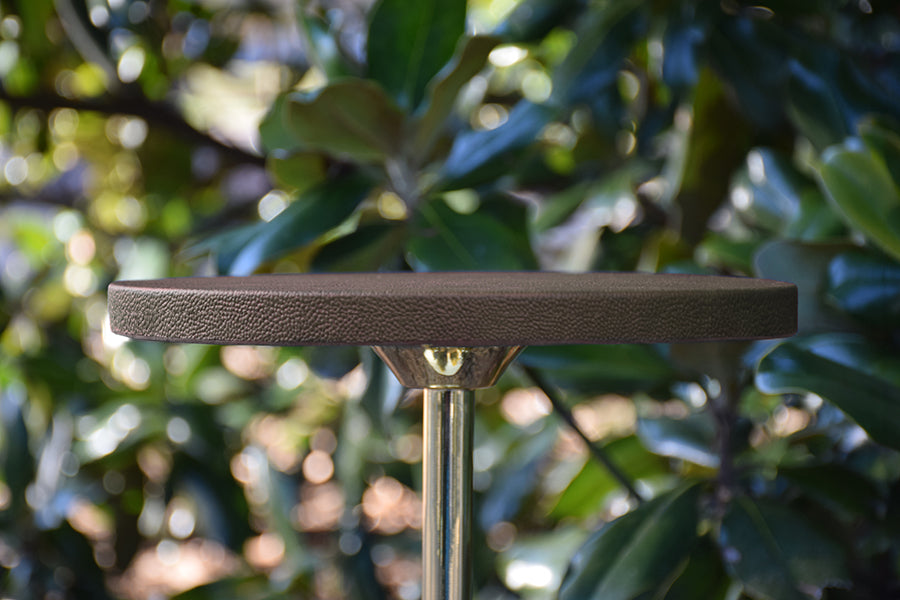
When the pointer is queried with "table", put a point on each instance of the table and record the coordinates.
(451, 333)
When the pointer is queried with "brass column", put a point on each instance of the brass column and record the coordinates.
(447, 495)
(449, 377)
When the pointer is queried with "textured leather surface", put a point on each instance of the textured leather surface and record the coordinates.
(452, 309)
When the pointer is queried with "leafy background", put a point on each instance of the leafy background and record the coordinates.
(145, 139)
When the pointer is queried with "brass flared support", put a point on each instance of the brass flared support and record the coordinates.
(449, 376)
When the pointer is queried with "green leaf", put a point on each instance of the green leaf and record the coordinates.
(332, 362)
(592, 485)
(272, 131)
(784, 200)
(703, 577)
(680, 69)
(816, 105)
(317, 211)
(409, 42)
(75, 552)
(281, 497)
(747, 57)
(689, 439)
(548, 551)
(867, 286)
(555, 209)
(224, 247)
(710, 157)
(858, 181)
(470, 58)
(618, 368)
(322, 45)
(478, 156)
(351, 118)
(775, 552)
(532, 20)
(493, 238)
(838, 488)
(383, 391)
(598, 55)
(636, 554)
(299, 170)
(884, 142)
(18, 462)
(845, 372)
(805, 265)
(516, 478)
(370, 248)
(817, 219)
(723, 251)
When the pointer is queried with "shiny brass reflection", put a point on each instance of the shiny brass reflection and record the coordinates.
(446, 361)
(439, 367)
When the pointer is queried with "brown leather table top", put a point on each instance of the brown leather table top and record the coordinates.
(452, 309)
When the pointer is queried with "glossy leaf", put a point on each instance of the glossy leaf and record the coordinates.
(846, 374)
(837, 487)
(476, 156)
(621, 368)
(369, 248)
(201, 471)
(300, 170)
(724, 252)
(224, 247)
(383, 392)
(817, 219)
(77, 553)
(777, 553)
(744, 52)
(409, 43)
(858, 181)
(470, 58)
(517, 477)
(531, 20)
(17, 459)
(636, 554)
(805, 265)
(351, 118)
(784, 200)
(281, 493)
(816, 106)
(332, 362)
(709, 157)
(548, 552)
(554, 210)
(680, 68)
(703, 576)
(444, 240)
(591, 66)
(592, 485)
(689, 439)
(272, 131)
(866, 286)
(322, 45)
(317, 211)
(884, 141)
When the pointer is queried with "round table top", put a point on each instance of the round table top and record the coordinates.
(452, 309)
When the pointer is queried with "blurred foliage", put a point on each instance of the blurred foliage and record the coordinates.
(141, 139)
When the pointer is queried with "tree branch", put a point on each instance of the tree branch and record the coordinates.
(563, 411)
(724, 409)
(155, 113)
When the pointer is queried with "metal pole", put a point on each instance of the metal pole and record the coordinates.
(447, 491)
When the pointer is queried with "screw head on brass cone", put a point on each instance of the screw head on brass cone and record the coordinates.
(438, 367)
